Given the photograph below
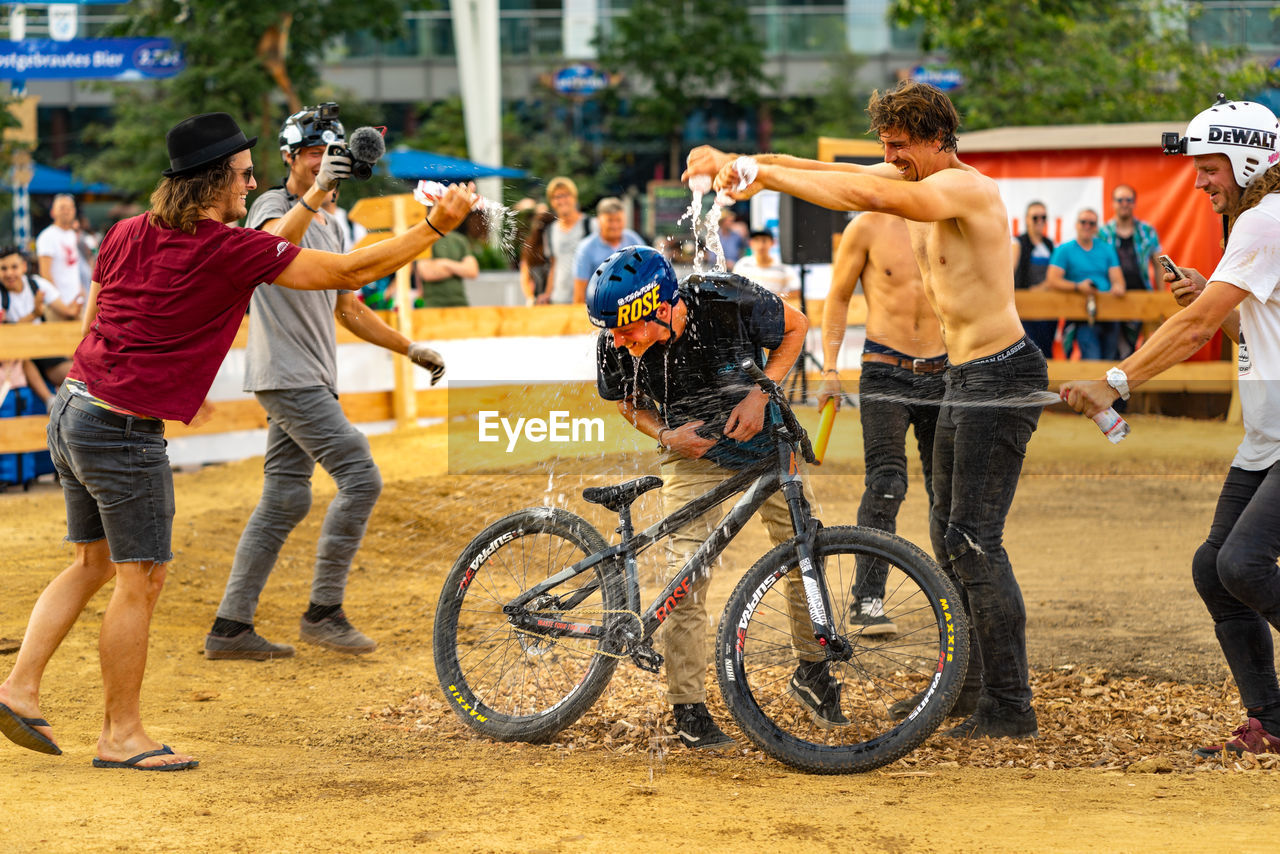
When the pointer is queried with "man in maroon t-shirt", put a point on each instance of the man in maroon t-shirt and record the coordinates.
(169, 292)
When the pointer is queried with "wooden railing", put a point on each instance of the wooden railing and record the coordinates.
(23, 341)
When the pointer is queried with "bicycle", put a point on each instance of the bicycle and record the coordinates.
(538, 610)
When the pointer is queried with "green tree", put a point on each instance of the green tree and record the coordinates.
(677, 54)
(1037, 62)
(257, 61)
(838, 110)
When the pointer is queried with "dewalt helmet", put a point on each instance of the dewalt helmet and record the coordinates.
(629, 286)
(1246, 132)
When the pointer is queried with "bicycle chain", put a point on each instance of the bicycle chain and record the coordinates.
(586, 612)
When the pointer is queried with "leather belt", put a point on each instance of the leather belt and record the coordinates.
(936, 365)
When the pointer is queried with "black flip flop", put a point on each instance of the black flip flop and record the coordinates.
(22, 732)
(132, 762)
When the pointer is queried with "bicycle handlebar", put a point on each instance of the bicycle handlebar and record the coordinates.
(769, 387)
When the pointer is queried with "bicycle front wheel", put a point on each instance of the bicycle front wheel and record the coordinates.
(765, 639)
(518, 684)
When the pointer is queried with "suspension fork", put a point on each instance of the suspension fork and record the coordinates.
(812, 571)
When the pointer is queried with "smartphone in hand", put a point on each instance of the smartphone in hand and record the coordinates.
(1167, 263)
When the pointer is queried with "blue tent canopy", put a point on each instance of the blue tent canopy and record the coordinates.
(428, 166)
(45, 180)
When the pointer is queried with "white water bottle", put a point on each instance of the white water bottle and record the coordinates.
(1112, 425)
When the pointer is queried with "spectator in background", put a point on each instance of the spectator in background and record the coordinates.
(25, 299)
(1031, 252)
(562, 240)
(1087, 265)
(733, 238)
(58, 248)
(1137, 245)
(452, 260)
(535, 265)
(761, 268)
(612, 236)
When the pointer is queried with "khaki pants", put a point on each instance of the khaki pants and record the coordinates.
(685, 631)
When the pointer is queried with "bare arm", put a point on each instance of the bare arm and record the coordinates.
(90, 309)
(1189, 286)
(851, 258)
(36, 381)
(1116, 276)
(293, 225)
(747, 417)
(312, 269)
(46, 267)
(705, 160)
(1017, 254)
(365, 324)
(579, 290)
(1056, 280)
(949, 194)
(1179, 337)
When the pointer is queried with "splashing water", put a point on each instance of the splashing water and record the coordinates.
(499, 219)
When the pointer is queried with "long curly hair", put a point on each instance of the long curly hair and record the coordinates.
(179, 202)
(1264, 184)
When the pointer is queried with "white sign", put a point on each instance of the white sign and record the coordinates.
(1063, 197)
(63, 21)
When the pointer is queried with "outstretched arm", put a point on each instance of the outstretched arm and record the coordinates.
(312, 269)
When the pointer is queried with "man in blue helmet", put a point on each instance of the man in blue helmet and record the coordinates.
(668, 355)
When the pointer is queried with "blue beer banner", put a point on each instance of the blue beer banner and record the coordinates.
(82, 59)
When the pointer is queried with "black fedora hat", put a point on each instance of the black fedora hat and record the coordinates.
(201, 140)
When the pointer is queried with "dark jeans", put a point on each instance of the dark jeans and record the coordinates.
(1235, 574)
(1100, 341)
(1041, 333)
(890, 400)
(977, 457)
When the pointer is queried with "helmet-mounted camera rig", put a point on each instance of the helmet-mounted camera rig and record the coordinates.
(1244, 131)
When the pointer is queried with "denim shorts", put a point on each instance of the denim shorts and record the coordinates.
(115, 479)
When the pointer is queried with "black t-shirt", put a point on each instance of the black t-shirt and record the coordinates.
(1128, 253)
(696, 377)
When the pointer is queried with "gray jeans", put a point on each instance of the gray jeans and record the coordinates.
(307, 426)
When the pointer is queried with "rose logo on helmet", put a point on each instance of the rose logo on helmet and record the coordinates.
(638, 305)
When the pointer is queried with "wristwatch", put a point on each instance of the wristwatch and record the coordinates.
(1119, 381)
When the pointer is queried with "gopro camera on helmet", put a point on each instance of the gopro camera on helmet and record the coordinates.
(1172, 143)
(319, 125)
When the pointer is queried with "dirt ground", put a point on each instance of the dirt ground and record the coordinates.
(327, 752)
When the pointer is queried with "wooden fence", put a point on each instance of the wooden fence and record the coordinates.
(404, 403)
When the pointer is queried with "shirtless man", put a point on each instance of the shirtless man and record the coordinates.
(901, 383)
(960, 236)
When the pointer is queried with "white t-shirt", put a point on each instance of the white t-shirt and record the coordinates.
(776, 278)
(68, 268)
(23, 302)
(1252, 263)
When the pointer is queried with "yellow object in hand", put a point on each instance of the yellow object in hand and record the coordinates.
(824, 429)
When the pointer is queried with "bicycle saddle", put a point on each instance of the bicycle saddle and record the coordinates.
(618, 497)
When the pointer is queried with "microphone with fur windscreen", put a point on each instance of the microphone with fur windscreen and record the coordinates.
(366, 147)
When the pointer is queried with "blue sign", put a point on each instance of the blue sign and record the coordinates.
(579, 81)
(81, 59)
(945, 79)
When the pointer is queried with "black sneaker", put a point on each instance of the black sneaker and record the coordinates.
(246, 646)
(819, 692)
(966, 704)
(335, 632)
(696, 728)
(995, 720)
(868, 615)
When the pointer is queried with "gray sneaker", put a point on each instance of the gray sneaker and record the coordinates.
(868, 615)
(335, 633)
(246, 646)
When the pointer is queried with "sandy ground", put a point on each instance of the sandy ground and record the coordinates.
(327, 752)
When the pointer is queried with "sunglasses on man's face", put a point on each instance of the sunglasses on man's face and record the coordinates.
(1121, 200)
(1089, 222)
(1037, 217)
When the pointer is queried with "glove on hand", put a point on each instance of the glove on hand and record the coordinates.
(334, 166)
(424, 357)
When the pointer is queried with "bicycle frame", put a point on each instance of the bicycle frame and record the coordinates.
(760, 482)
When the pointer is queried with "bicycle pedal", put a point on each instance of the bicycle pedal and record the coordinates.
(647, 659)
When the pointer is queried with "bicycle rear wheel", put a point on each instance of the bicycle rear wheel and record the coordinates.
(515, 684)
(928, 652)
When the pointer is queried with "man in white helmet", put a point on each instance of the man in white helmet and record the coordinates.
(291, 366)
(1234, 146)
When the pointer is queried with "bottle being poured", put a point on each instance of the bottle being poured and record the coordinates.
(500, 220)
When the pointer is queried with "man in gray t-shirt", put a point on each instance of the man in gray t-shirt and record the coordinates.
(291, 366)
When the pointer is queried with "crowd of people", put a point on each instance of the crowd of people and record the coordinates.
(946, 354)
